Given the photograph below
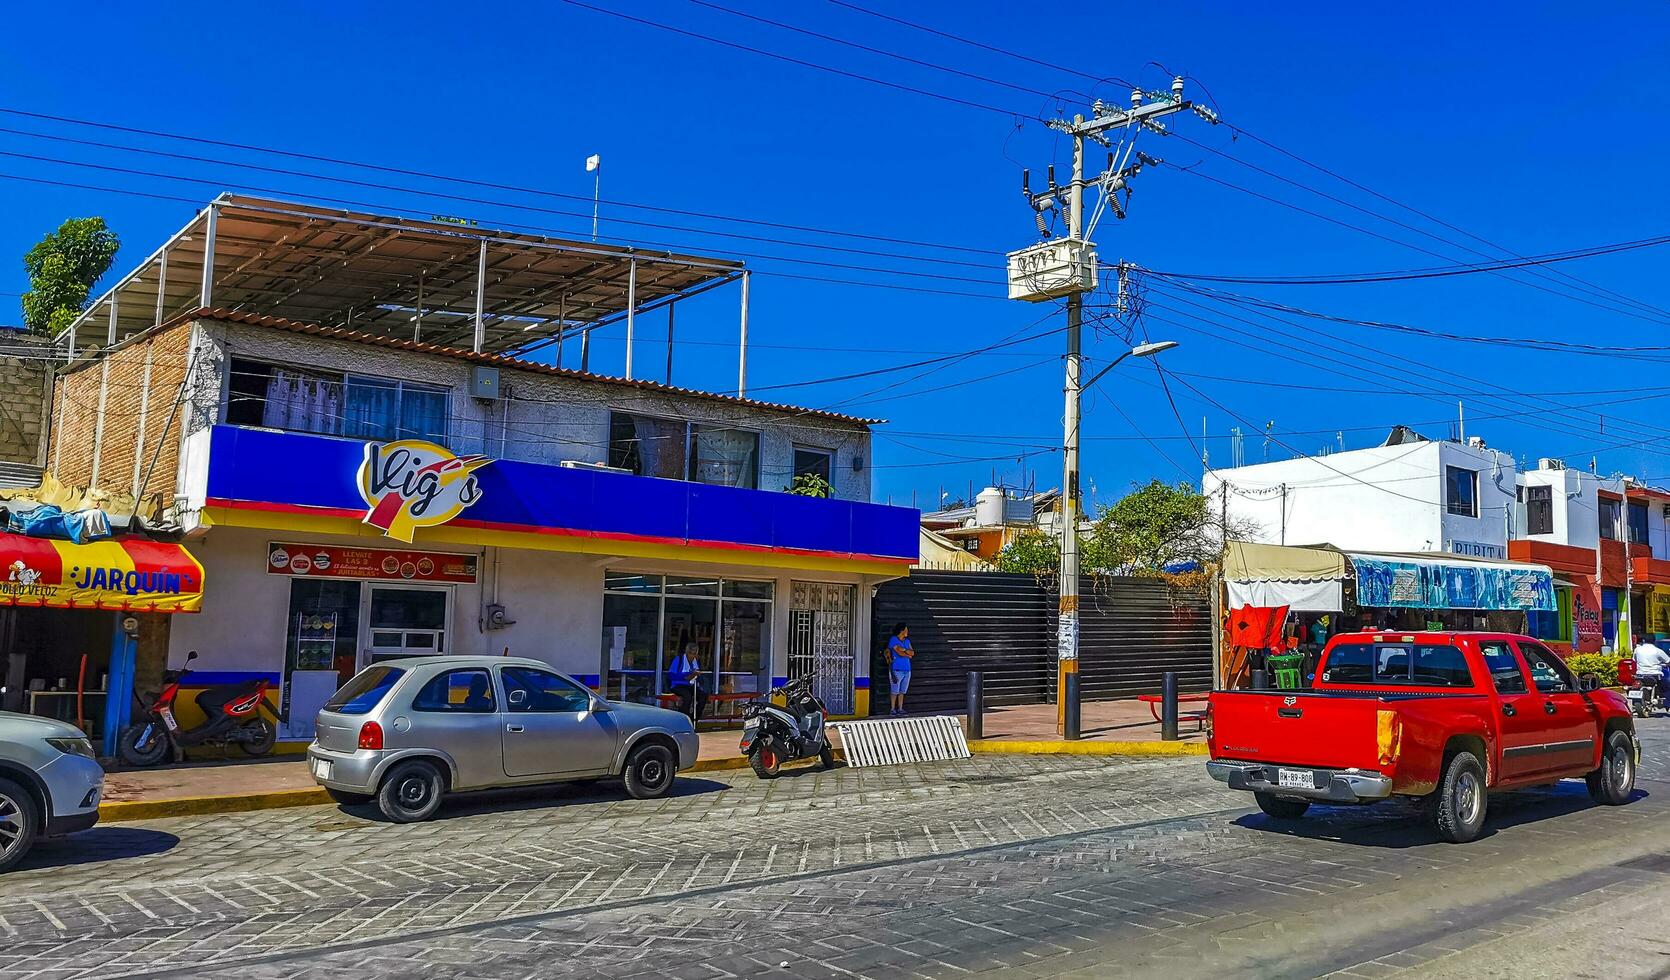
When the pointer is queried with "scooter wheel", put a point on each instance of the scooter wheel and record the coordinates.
(262, 736)
(765, 762)
(135, 752)
(826, 755)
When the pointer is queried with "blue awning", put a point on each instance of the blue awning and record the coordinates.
(1410, 582)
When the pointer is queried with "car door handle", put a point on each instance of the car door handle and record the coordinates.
(1548, 707)
(1509, 710)
(513, 728)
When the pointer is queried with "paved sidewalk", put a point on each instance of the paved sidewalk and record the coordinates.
(248, 784)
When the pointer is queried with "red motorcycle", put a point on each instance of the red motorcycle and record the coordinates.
(232, 715)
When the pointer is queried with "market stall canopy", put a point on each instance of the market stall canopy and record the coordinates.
(1303, 579)
(1418, 581)
(121, 574)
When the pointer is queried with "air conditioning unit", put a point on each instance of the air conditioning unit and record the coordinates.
(584, 464)
(1550, 464)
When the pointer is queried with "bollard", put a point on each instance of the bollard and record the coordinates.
(1070, 727)
(976, 705)
(1168, 707)
(1260, 680)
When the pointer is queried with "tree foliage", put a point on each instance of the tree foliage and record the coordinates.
(1032, 551)
(1155, 525)
(810, 485)
(62, 269)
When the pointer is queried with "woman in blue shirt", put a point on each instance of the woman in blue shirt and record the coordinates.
(900, 653)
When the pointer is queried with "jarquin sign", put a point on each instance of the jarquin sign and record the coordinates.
(411, 483)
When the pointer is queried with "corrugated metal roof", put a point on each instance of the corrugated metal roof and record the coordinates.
(500, 360)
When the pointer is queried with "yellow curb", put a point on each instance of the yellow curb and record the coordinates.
(123, 810)
(1017, 747)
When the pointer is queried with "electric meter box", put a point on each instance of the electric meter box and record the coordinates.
(1050, 270)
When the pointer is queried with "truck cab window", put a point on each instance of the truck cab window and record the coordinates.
(1398, 665)
(1504, 668)
(1548, 673)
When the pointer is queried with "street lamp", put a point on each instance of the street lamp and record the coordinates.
(1067, 629)
(1140, 350)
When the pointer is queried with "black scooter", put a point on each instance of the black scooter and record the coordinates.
(773, 734)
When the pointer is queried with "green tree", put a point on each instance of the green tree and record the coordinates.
(1032, 551)
(62, 269)
(1155, 525)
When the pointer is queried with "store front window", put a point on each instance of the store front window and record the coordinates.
(406, 622)
(649, 620)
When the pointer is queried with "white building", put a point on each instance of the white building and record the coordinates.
(1412, 496)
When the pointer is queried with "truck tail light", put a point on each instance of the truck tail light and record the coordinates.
(371, 735)
(1388, 732)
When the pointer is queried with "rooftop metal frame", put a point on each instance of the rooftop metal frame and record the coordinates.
(430, 281)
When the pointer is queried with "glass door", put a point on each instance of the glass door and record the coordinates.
(405, 621)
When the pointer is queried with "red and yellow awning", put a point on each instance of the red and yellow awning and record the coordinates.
(124, 574)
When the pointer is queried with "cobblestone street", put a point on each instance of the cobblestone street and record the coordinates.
(1007, 865)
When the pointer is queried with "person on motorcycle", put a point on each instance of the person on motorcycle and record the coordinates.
(1650, 666)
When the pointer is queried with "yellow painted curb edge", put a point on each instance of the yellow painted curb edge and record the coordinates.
(1016, 747)
(122, 810)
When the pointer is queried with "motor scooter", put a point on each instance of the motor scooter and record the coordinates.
(1646, 695)
(774, 734)
(232, 715)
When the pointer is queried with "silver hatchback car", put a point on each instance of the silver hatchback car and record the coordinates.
(406, 732)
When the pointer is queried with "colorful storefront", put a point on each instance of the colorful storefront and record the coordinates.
(73, 616)
(330, 554)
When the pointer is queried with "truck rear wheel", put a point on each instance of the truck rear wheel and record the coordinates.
(1281, 809)
(1614, 781)
(1459, 806)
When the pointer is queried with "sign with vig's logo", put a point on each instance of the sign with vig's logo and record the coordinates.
(411, 483)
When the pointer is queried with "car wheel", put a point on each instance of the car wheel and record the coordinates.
(649, 772)
(143, 744)
(765, 762)
(18, 823)
(1459, 810)
(345, 798)
(1614, 781)
(1280, 808)
(262, 737)
(411, 792)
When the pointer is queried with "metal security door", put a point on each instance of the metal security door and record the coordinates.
(820, 641)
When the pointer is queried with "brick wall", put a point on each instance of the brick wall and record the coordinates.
(23, 373)
(137, 384)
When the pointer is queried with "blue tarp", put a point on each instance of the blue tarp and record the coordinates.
(47, 521)
(1412, 583)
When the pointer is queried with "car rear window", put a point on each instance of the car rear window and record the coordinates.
(1398, 665)
(365, 691)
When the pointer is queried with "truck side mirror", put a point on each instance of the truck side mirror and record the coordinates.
(1588, 682)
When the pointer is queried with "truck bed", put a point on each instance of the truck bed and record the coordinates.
(1327, 729)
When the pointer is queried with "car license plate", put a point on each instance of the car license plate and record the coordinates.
(1637, 694)
(322, 768)
(1295, 779)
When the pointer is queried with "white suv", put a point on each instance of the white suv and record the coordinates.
(50, 783)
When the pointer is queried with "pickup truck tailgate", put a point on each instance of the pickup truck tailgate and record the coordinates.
(1336, 730)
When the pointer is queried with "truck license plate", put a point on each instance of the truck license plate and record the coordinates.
(322, 768)
(1295, 779)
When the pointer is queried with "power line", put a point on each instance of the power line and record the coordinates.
(802, 63)
(426, 175)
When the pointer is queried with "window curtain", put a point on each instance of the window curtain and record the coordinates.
(372, 405)
(301, 401)
(726, 457)
(660, 445)
(423, 415)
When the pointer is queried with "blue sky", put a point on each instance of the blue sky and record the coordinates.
(1523, 124)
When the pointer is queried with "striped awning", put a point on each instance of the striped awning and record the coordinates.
(121, 574)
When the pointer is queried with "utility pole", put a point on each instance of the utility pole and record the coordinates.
(1067, 268)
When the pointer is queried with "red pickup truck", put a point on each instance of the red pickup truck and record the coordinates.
(1440, 716)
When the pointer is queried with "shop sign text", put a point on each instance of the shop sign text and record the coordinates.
(410, 483)
(332, 561)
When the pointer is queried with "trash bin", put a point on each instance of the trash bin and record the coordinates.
(1288, 668)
